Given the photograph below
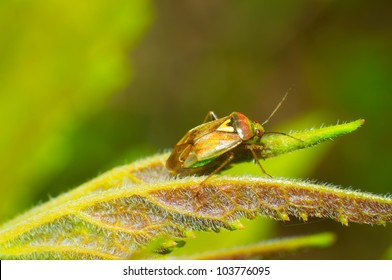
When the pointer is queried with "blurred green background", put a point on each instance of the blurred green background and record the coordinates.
(87, 86)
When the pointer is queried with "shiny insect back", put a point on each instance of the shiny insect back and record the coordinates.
(206, 142)
(218, 142)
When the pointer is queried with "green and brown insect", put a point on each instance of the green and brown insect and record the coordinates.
(218, 142)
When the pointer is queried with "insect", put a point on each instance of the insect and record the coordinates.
(218, 138)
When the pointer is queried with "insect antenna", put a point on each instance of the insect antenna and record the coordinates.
(273, 113)
(276, 108)
(282, 133)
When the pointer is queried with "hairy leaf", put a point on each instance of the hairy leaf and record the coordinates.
(140, 210)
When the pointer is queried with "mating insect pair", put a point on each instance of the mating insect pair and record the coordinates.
(211, 146)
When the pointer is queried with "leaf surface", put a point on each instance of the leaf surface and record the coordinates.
(141, 211)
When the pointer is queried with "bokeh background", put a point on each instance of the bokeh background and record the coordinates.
(86, 86)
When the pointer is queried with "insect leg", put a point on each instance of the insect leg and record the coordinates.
(251, 148)
(219, 168)
(199, 187)
(211, 116)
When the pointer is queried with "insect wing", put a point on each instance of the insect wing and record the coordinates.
(215, 144)
(199, 131)
(177, 157)
(183, 149)
(204, 142)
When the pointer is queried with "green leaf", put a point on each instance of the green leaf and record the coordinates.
(142, 211)
(276, 145)
(320, 240)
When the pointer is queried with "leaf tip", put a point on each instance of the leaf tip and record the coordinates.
(304, 216)
(382, 223)
(343, 220)
(237, 225)
(284, 217)
(169, 243)
(189, 234)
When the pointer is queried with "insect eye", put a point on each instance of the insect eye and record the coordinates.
(259, 133)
